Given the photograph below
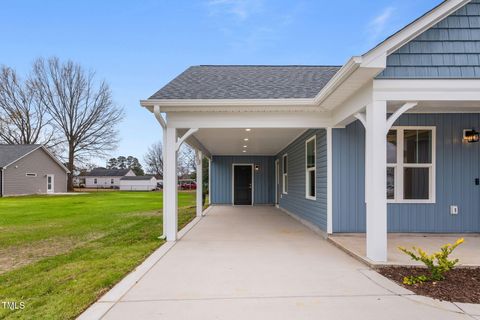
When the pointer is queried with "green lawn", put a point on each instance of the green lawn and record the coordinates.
(58, 254)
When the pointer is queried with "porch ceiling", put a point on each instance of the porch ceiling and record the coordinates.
(260, 141)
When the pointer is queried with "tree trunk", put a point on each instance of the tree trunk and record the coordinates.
(70, 167)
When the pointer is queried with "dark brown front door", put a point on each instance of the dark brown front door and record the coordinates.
(242, 185)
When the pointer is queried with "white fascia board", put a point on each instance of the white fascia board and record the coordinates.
(427, 90)
(344, 73)
(215, 103)
(249, 120)
(376, 57)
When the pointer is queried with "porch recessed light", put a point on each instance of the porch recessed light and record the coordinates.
(246, 139)
(244, 151)
(245, 146)
(248, 129)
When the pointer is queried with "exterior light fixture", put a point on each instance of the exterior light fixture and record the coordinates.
(246, 139)
(248, 130)
(471, 136)
(245, 146)
(244, 151)
(257, 167)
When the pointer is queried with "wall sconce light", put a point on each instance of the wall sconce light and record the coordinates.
(257, 167)
(471, 136)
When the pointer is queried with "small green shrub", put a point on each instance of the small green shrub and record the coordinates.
(437, 263)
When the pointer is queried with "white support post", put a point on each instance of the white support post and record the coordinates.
(376, 181)
(199, 160)
(209, 181)
(329, 182)
(170, 212)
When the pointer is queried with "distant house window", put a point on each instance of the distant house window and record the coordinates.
(111, 181)
(95, 181)
(285, 174)
(411, 164)
(31, 174)
(310, 168)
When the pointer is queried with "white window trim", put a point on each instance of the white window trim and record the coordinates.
(30, 174)
(284, 174)
(399, 166)
(314, 168)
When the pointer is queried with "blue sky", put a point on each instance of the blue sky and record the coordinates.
(138, 46)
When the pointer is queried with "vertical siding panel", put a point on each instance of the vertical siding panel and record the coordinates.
(457, 165)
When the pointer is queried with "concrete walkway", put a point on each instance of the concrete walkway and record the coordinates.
(259, 263)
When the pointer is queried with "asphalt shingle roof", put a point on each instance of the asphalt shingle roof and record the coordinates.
(102, 172)
(134, 178)
(248, 82)
(12, 152)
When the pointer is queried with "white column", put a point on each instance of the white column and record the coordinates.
(199, 159)
(329, 181)
(376, 181)
(170, 213)
(209, 181)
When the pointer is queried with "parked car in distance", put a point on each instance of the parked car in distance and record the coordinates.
(188, 186)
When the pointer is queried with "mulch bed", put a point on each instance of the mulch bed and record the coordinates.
(460, 285)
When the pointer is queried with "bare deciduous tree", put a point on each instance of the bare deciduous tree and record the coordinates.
(80, 108)
(23, 119)
(154, 159)
(186, 161)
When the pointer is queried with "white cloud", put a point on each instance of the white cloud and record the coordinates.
(377, 25)
(241, 9)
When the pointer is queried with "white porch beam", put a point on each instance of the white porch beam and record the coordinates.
(184, 137)
(375, 192)
(345, 113)
(199, 160)
(391, 120)
(249, 119)
(362, 118)
(170, 209)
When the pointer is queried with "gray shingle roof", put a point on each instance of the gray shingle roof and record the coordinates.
(137, 178)
(102, 172)
(247, 82)
(12, 152)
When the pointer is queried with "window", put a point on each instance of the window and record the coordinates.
(285, 174)
(95, 181)
(411, 164)
(30, 174)
(310, 169)
(111, 181)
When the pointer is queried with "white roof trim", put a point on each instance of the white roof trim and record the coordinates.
(377, 55)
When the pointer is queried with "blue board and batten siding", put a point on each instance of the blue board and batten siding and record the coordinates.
(263, 180)
(457, 166)
(295, 201)
(450, 49)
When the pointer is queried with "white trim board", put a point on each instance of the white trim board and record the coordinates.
(307, 170)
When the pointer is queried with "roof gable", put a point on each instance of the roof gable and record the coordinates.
(248, 82)
(10, 153)
(102, 172)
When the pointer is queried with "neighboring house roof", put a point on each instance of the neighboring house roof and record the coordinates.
(11, 153)
(247, 82)
(102, 172)
(136, 178)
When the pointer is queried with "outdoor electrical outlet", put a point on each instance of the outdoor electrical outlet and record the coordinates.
(453, 209)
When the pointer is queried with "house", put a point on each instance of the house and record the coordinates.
(106, 178)
(30, 169)
(138, 183)
(387, 142)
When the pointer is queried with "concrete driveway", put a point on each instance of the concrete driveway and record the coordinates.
(259, 263)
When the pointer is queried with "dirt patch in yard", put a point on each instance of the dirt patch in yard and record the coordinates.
(460, 285)
(18, 256)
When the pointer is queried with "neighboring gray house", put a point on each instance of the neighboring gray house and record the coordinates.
(30, 169)
(388, 142)
(106, 178)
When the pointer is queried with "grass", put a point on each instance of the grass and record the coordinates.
(69, 250)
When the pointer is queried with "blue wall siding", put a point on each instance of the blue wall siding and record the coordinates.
(457, 165)
(450, 49)
(264, 179)
(314, 211)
